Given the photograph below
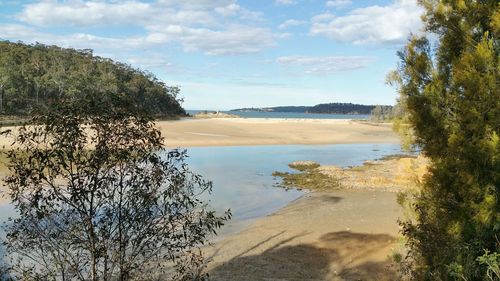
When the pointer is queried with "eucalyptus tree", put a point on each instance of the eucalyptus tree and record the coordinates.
(40, 75)
(99, 198)
(451, 91)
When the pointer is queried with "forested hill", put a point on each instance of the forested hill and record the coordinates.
(327, 108)
(36, 76)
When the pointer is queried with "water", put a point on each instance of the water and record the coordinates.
(288, 115)
(242, 175)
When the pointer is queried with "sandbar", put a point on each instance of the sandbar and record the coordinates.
(259, 131)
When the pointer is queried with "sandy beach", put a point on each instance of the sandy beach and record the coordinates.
(253, 131)
(258, 131)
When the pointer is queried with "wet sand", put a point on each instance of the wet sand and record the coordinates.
(341, 235)
(345, 234)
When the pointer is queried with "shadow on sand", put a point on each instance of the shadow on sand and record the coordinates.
(337, 256)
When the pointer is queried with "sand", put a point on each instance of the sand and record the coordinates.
(253, 131)
(342, 235)
(346, 234)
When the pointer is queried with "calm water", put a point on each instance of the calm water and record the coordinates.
(242, 175)
(242, 179)
(288, 115)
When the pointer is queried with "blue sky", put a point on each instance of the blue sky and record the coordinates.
(227, 53)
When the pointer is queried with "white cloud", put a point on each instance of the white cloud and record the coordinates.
(290, 23)
(17, 31)
(325, 65)
(338, 3)
(285, 2)
(213, 27)
(234, 40)
(228, 10)
(323, 17)
(374, 24)
(85, 13)
(75, 40)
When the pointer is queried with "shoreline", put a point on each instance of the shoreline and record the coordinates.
(344, 233)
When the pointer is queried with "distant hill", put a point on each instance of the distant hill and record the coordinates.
(325, 108)
(36, 76)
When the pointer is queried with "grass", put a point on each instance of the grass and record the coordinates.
(396, 157)
(309, 177)
(303, 165)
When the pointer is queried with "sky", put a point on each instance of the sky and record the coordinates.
(227, 54)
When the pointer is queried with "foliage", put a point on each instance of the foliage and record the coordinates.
(37, 76)
(341, 108)
(382, 113)
(99, 198)
(400, 115)
(492, 263)
(451, 92)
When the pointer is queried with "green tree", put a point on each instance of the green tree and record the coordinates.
(450, 87)
(99, 198)
(36, 76)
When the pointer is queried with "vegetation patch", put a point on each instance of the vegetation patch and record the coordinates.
(309, 177)
(397, 157)
(365, 167)
(303, 165)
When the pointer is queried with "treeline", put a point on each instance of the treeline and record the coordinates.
(341, 108)
(295, 109)
(37, 76)
(324, 108)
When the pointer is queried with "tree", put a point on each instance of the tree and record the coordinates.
(36, 76)
(451, 92)
(382, 113)
(100, 198)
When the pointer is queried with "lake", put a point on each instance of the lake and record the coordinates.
(288, 115)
